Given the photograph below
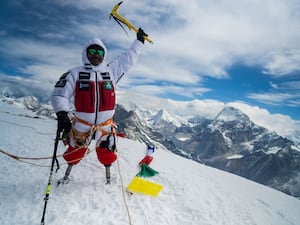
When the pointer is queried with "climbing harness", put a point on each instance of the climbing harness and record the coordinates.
(94, 127)
(80, 138)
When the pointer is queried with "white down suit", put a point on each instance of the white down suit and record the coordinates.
(93, 89)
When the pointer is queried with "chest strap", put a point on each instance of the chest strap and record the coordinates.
(105, 123)
(98, 127)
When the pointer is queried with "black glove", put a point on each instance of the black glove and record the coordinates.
(63, 123)
(109, 143)
(140, 35)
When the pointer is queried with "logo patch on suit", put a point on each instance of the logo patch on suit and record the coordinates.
(84, 85)
(62, 80)
(108, 85)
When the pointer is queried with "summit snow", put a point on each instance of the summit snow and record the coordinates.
(193, 193)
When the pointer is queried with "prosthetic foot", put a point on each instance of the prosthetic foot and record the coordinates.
(65, 179)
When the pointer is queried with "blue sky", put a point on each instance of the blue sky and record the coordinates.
(225, 50)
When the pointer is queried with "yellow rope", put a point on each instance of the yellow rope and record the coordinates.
(123, 194)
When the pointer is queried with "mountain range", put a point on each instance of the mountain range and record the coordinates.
(230, 141)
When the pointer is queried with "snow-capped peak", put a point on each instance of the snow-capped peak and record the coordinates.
(164, 116)
(230, 113)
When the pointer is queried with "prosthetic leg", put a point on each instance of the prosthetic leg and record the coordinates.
(107, 172)
(106, 156)
(66, 178)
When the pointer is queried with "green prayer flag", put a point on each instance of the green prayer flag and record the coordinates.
(146, 171)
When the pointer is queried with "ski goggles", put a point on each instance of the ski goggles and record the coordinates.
(92, 51)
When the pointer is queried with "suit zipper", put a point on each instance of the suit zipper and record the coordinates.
(97, 98)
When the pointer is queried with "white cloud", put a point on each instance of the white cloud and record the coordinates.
(19, 87)
(285, 93)
(281, 124)
(163, 90)
(215, 35)
(271, 98)
(191, 39)
(38, 51)
(203, 108)
(208, 37)
(284, 63)
(85, 4)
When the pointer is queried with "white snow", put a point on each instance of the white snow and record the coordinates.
(248, 145)
(236, 156)
(193, 194)
(296, 148)
(183, 138)
(273, 150)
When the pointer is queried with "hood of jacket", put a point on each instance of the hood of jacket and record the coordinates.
(85, 59)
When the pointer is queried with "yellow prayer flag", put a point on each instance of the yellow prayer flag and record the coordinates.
(140, 185)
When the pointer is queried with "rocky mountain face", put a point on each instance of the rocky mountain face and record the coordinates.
(230, 142)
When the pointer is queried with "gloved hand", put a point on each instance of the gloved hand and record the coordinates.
(63, 123)
(140, 35)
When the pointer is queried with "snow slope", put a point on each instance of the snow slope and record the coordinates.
(193, 194)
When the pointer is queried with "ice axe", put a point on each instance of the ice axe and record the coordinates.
(120, 19)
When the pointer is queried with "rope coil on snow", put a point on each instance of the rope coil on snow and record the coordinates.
(22, 159)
